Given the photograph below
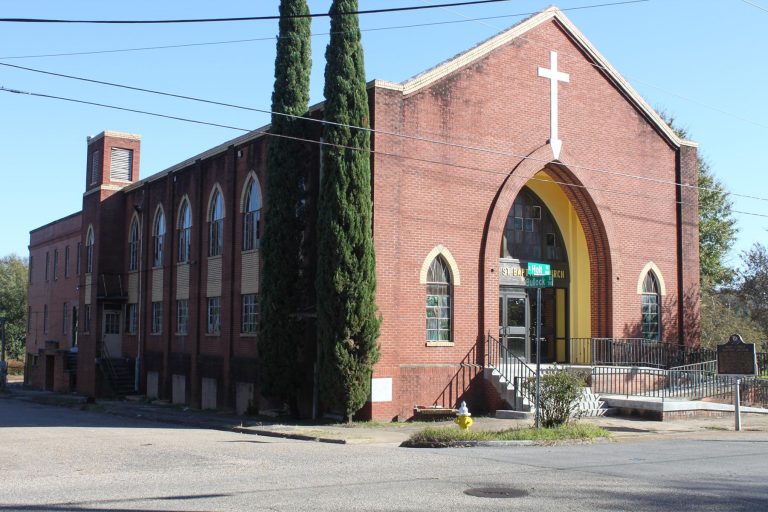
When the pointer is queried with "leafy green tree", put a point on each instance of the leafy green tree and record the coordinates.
(280, 332)
(14, 271)
(753, 289)
(347, 318)
(722, 314)
(717, 226)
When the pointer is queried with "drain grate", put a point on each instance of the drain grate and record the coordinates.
(496, 492)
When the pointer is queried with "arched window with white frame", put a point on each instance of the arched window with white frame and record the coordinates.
(251, 215)
(133, 245)
(184, 231)
(439, 308)
(216, 224)
(158, 238)
(651, 308)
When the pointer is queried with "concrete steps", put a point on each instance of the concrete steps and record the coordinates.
(590, 405)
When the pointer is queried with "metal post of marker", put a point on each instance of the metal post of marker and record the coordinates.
(737, 404)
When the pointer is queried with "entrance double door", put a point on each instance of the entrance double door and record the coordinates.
(517, 323)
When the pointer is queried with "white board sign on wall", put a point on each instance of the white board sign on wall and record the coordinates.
(381, 389)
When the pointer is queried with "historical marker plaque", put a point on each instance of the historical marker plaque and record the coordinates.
(736, 357)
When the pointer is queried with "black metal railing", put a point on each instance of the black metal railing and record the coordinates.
(460, 384)
(634, 352)
(762, 364)
(511, 367)
(659, 383)
(754, 392)
(110, 286)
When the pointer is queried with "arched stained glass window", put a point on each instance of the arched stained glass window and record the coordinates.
(438, 301)
(216, 219)
(185, 231)
(531, 232)
(89, 243)
(158, 238)
(252, 216)
(133, 245)
(651, 318)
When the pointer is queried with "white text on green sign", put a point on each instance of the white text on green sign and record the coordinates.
(538, 281)
(539, 269)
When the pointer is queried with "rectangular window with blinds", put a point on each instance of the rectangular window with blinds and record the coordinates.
(121, 164)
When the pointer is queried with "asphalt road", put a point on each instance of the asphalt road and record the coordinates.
(53, 458)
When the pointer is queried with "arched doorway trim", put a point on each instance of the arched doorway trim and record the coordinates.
(592, 220)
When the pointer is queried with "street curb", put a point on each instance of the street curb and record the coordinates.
(226, 428)
(494, 444)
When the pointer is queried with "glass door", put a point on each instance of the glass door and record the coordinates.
(514, 318)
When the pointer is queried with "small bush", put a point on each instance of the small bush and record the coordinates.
(559, 391)
(15, 367)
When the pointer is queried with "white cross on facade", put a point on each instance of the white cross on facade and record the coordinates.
(554, 76)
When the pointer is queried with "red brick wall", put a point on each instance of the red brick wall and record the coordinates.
(427, 194)
(439, 194)
(53, 293)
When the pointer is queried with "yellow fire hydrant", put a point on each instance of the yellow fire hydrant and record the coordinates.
(463, 417)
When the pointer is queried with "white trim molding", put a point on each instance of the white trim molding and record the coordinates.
(651, 266)
(440, 250)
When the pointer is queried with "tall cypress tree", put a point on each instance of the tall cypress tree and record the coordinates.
(347, 319)
(280, 331)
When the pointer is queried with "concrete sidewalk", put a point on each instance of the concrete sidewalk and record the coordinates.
(622, 428)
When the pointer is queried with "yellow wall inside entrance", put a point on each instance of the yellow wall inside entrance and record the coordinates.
(578, 255)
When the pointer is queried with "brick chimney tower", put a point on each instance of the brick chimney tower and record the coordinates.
(113, 161)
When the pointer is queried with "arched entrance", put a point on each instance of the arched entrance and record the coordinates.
(571, 237)
(532, 234)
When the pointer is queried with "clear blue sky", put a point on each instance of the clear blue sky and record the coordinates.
(702, 61)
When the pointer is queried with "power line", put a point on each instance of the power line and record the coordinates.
(125, 109)
(500, 172)
(753, 4)
(371, 130)
(420, 25)
(272, 38)
(580, 58)
(251, 18)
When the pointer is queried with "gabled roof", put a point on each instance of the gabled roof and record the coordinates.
(552, 13)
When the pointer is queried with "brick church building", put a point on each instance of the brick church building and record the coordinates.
(528, 147)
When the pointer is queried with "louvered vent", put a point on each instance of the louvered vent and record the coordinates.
(95, 166)
(122, 164)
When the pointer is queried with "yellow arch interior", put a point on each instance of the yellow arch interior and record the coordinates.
(578, 259)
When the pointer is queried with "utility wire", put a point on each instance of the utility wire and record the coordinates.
(251, 18)
(370, 130)
(753, 4)
(272, 38)
(114, 107)
(580, 58)
(500, 172)
(420, 25)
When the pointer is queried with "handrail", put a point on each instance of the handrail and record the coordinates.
(704, 366)
(107, 364)
(513, 369)
(659, 383)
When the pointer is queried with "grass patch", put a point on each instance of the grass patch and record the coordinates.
(715, 427)
(446, 435)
